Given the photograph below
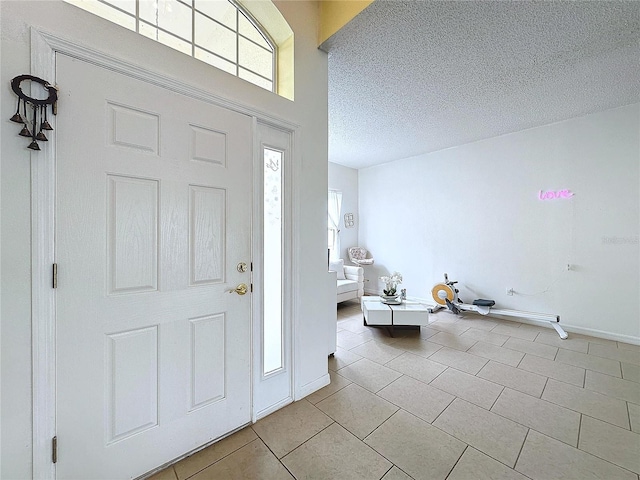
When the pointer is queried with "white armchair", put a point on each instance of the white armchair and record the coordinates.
(350, 282)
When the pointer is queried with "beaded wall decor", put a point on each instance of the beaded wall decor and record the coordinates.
(35, 126)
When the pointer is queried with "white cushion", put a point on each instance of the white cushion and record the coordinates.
(338, 267)
(347, 286)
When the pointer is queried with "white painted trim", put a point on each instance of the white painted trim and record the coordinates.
(273, 408)
(311, 387)
(261, 380)
(43, 185)
(68, 47)
(44, 47)
(296, 245)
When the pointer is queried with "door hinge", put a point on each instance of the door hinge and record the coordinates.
(54, 449)
(55, 275)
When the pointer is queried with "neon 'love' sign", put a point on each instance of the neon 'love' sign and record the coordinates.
(552, 195)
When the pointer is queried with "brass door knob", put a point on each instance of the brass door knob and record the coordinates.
(241, 289)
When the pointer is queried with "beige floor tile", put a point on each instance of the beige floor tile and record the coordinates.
(396, 474)
(614, 353)
(289, 427)
(447, 319)
(422, 451)
(544, 458)
(599, 341)
(166, 474)
(354, 325)
(335, 454)
(248, 463)
(475, 465)
(338, 382)
(460, 360)
(548, 368)
(526, 346)
(630, 372)
(610, 443)
(369, 375)
(468, 387)
(417, 346)
(629, 346)
(545, 417)
(416, 397)
(585, 401)
(342, 358)
(515, 378)
(427, 332)
(498, 354)
(348, 340)
(357, 409)
(417, 367)
(378, 352)
(485, 336)
(516, 331)
(612, 386)
(590, 362)
(496, 436)
(452, 341)
(452, 328)
(634, 417)
(380, 335)
(475, 321)
(202, 459)
(571, 343)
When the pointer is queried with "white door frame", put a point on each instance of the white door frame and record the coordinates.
(44, 47)
(289, 271)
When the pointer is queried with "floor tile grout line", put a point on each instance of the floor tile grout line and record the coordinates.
(458, 460)
(497, 398)
(601, 458)
(297, 447)
(583, 386)
(521, 449)
(224, 456)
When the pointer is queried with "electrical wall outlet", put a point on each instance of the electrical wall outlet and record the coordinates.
(510, 291)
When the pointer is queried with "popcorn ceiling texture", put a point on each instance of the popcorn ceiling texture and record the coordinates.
(412, 77)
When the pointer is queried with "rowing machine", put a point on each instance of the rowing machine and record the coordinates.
(446, 296)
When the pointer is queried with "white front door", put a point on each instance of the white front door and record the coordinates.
(153, 216)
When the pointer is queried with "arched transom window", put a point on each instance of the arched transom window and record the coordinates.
(218, 32)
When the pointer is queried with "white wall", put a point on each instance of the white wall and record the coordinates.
(473, 212)
(345, 180)
(309, 110)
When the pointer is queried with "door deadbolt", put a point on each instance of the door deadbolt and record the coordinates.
(242, 267)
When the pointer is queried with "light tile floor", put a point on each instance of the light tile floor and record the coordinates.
(467, 398)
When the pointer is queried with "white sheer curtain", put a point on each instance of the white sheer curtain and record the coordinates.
(335, 205)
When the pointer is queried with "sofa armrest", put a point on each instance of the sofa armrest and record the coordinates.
(354, 273)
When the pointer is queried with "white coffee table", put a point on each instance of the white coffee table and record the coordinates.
(408, 314)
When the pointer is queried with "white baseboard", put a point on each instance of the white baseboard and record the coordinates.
(272, 408)
(311, 387)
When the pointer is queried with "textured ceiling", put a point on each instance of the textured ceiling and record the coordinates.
(410, 77)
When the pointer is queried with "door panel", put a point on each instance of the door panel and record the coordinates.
(153, 212)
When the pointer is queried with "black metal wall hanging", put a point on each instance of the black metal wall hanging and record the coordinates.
(38, 110)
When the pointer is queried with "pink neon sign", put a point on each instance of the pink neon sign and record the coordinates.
(552, 195)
